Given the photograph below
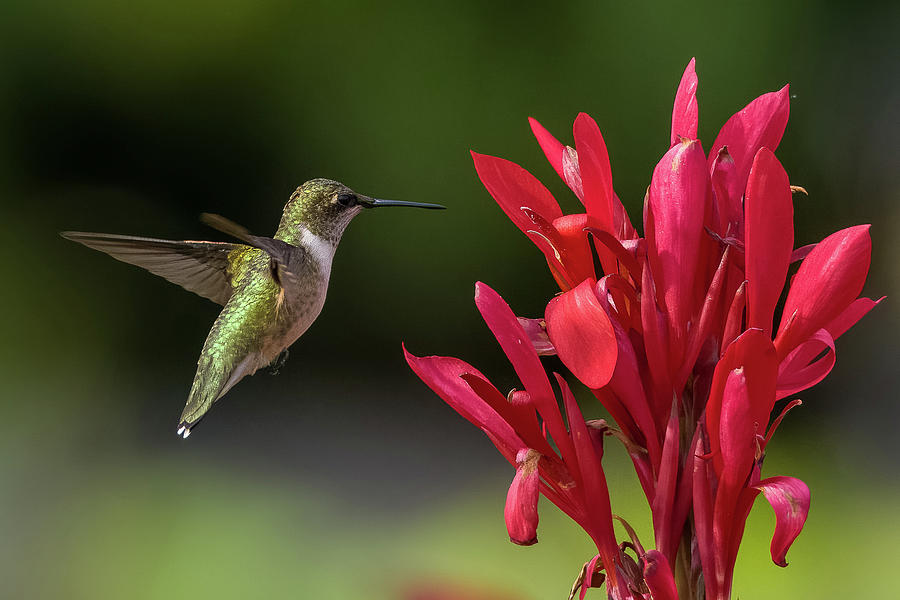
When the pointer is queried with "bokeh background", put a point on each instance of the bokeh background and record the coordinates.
(344, 476)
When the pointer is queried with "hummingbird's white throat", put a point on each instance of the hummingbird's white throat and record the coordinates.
(320, 248)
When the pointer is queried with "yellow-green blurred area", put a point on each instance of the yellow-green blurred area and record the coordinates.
(344, 476)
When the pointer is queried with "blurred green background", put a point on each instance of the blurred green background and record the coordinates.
(344, 476)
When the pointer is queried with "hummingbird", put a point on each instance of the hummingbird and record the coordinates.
(271, 288)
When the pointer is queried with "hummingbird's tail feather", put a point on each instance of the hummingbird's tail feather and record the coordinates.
(212, 381)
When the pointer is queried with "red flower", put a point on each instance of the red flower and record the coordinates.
(676, 338)
(570, 477)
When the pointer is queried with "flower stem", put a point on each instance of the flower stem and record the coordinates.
(688, 580)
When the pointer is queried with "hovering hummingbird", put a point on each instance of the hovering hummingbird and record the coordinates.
(271, 288)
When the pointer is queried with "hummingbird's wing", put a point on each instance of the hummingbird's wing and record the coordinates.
(199, 267)
(285, 257)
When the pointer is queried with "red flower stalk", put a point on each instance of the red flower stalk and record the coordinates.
(676, 338)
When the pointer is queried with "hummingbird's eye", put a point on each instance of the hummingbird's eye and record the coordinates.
(346, 199)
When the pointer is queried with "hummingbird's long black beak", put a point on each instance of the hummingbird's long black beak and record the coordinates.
(377, 202)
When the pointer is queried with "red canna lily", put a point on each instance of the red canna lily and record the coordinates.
(675, 335)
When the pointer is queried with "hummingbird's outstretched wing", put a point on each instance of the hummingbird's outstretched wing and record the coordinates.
(199, 267)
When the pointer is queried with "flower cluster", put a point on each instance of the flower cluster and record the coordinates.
(677, 340)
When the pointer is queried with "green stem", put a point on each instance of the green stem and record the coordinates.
(689, 583)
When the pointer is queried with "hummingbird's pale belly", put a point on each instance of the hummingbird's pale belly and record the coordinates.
(295, 317)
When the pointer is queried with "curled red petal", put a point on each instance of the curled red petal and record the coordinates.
(685, 115)
(658, 575)
(522, 499)
(513, 188)
(768, 237)
(784, 411)
(800, 369)
(828, 281)
(760, 123)
(575, 250)
(582, 335)
(789, 498)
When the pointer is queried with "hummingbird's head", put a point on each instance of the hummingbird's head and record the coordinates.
(325, 208)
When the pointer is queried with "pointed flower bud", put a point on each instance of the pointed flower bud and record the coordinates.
(521, 501)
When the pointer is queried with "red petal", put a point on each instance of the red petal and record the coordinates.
(667, 479)
(596, 174)
(658, 574)
(729, 212)
(760, 123)
(784, 411)
(522, 499)
(789, 498)
(703, 511)
(518, 348)
(588, 576)
(596, 493)
(443, 375)
(734, 320)
(655, 333)
(514, 188)
(677, 201)
(802, 252)
(575, 251)
(627, 386)
(582, 335)
(736, 438)
(701, 332)
(769, 237)
(799, 371)
(736, 429)
(827, 282)
(624, 230)
(553, 148)
(753, 351)
(596, 179)
(536, 330)
(685, 113)
(851, 315)
(520, 415)
(564, 159)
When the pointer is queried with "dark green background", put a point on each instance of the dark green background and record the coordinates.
(344, 476)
